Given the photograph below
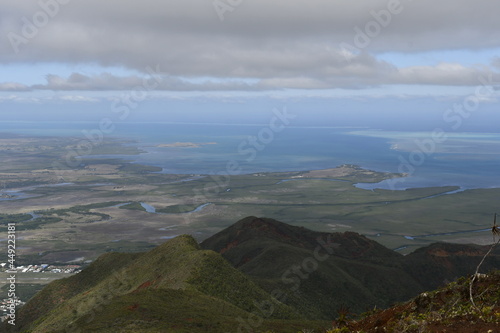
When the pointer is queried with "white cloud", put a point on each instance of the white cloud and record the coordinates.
(444, 74)
(76, 98)
(13, 86)
(362, 73)
(272, 44)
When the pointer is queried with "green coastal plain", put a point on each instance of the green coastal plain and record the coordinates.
(71, 209)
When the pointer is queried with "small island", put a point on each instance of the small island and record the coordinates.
(185, 144)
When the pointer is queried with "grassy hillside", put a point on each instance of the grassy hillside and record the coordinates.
(145, 291)
(168, 310)
(261, 275)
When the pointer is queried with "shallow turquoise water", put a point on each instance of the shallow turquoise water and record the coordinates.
(466, 160)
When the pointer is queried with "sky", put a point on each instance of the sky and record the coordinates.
(85, 57)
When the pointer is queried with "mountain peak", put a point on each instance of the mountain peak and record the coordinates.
(254, 230)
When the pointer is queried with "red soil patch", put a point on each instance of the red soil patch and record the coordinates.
(133, 307)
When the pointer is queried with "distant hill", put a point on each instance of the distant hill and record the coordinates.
(257, 275)
(358, 272)
(319, 271)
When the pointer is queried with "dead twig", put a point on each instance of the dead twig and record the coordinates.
(495, 230)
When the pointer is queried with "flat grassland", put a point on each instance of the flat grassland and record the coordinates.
(73, 214)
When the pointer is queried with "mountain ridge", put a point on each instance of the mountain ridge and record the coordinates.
(178, 265)
(259, 274)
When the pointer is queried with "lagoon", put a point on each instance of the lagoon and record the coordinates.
(467, 160)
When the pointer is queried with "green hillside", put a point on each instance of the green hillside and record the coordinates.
(176, 287)
(259, 275)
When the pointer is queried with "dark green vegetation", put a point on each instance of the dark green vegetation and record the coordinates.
(13, 218)
(322, 272)
(259, 275)
(37, 223)
(25, 222)
(80, 208)
(177, 209)
(5, 219)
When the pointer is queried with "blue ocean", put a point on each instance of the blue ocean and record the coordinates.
(468, 160)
